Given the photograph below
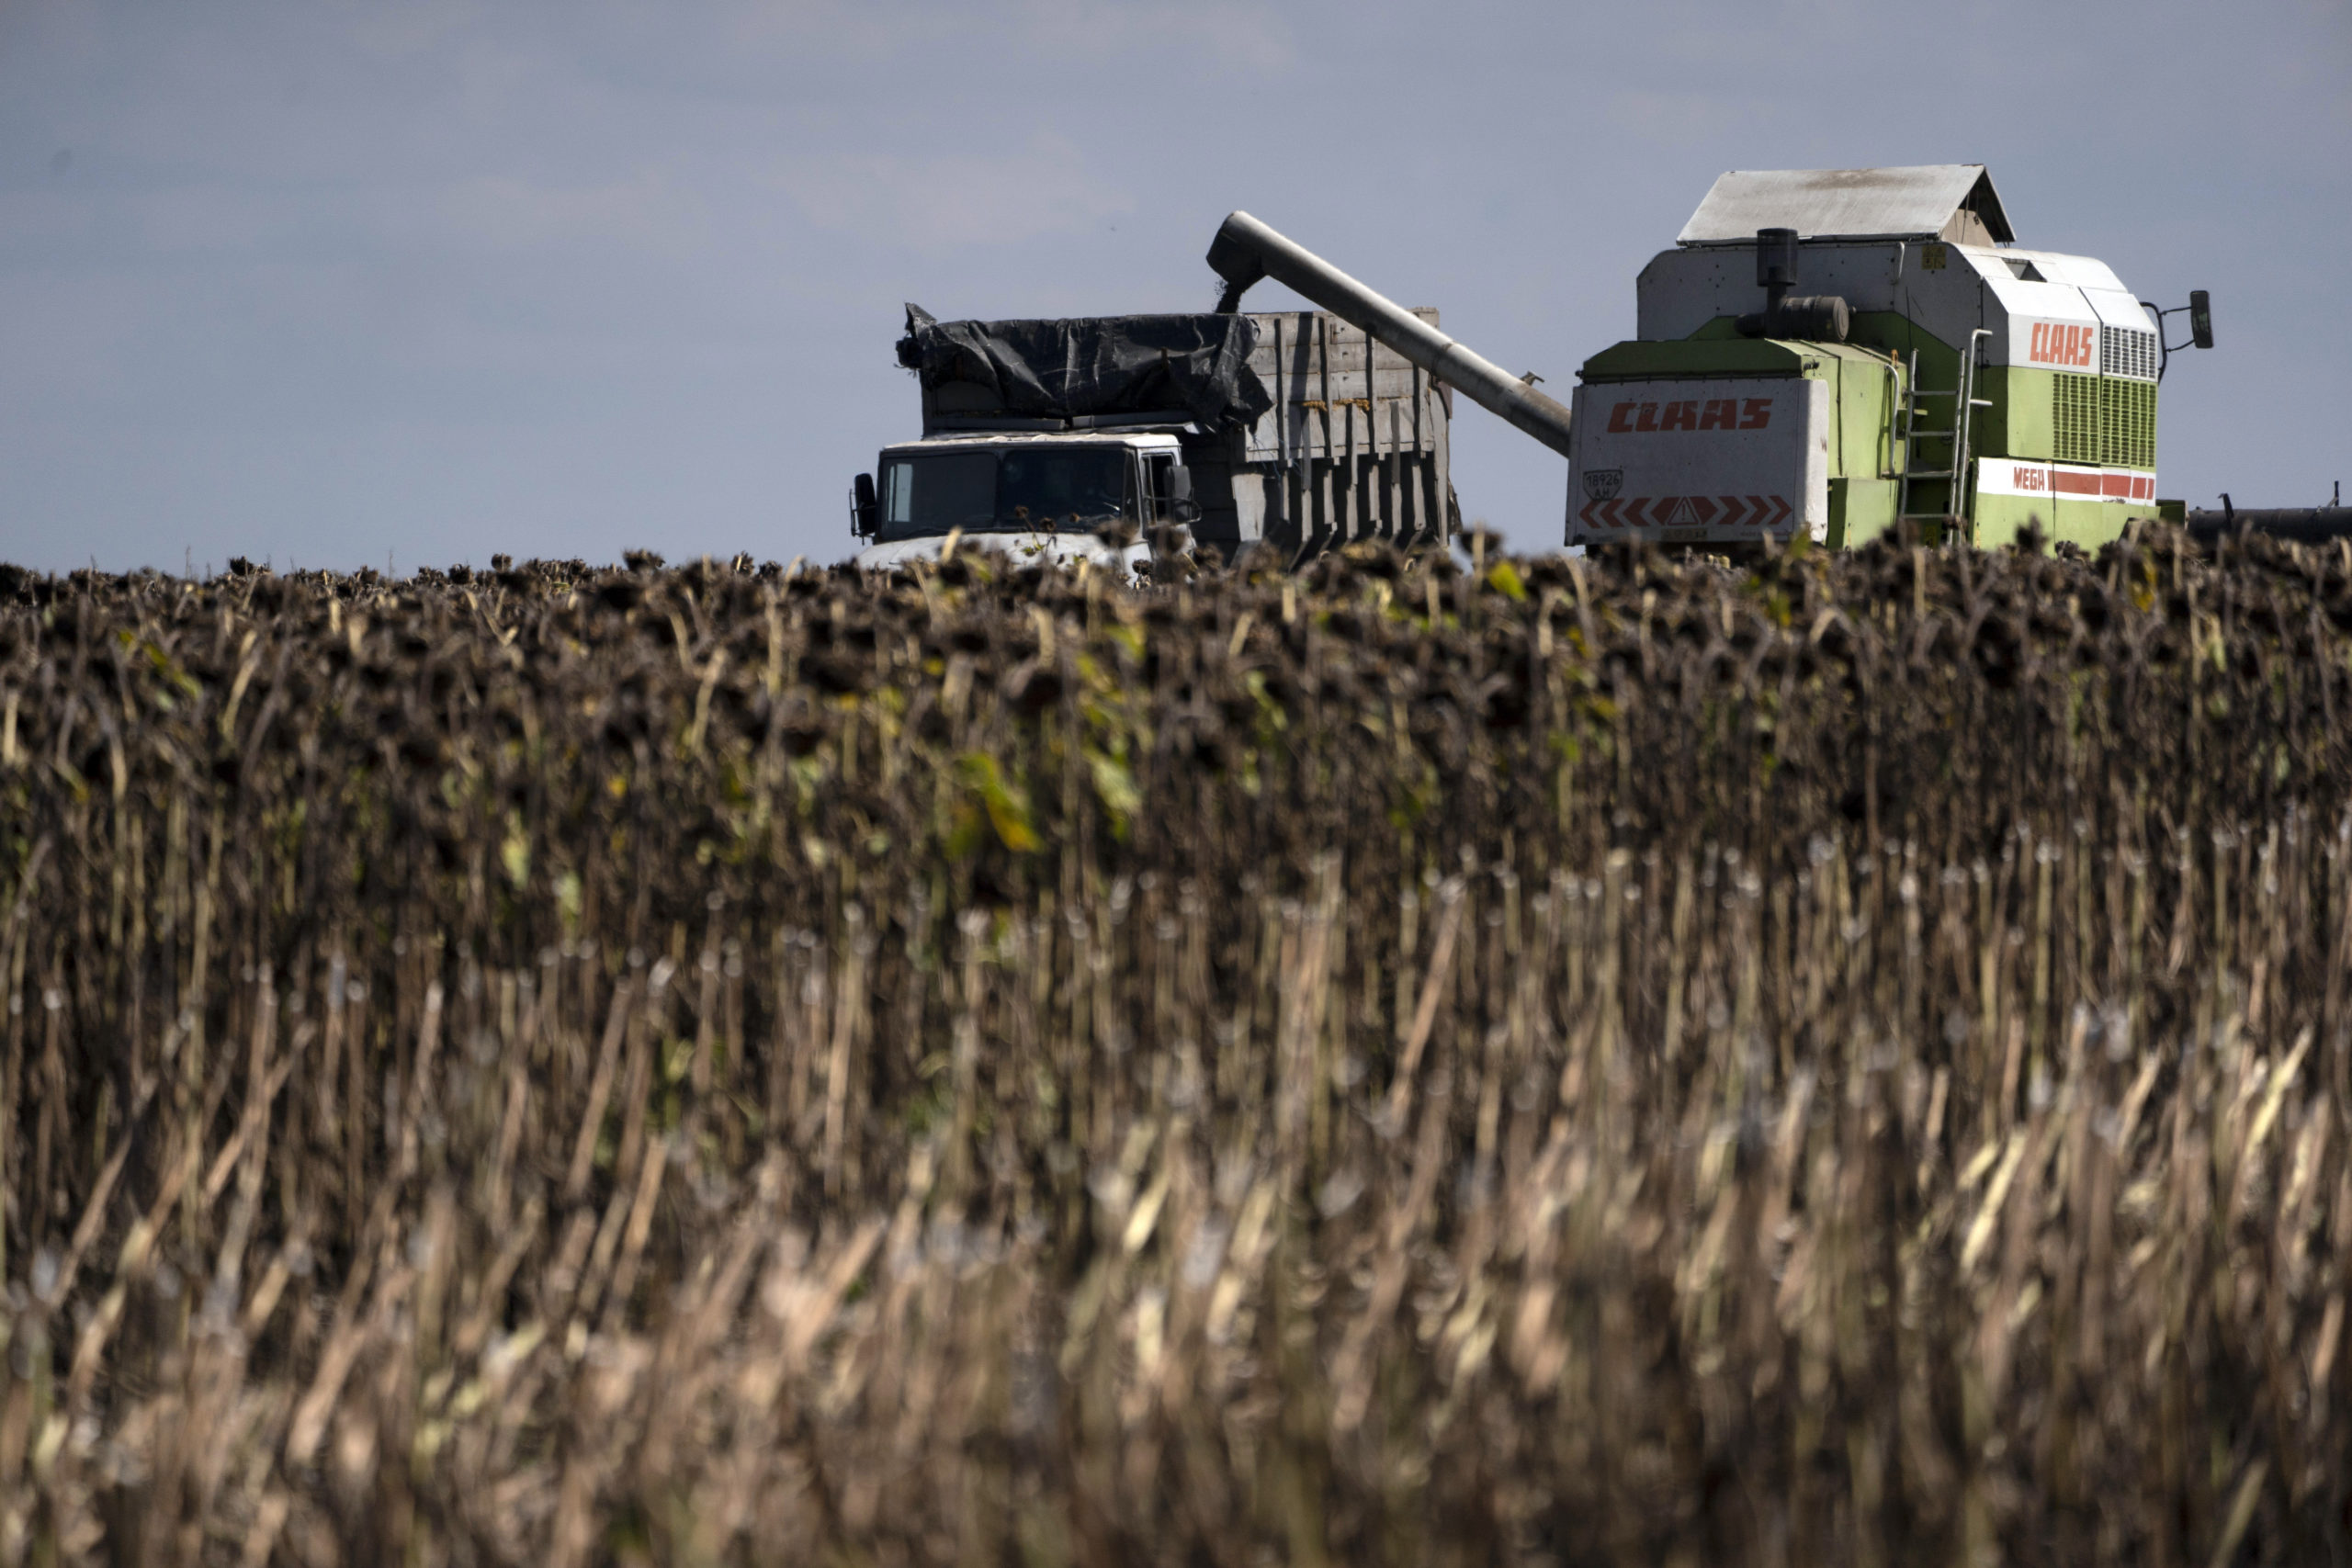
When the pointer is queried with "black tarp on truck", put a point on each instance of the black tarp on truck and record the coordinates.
(1094, 368)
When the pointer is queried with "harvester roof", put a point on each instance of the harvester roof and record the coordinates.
(1928, 201)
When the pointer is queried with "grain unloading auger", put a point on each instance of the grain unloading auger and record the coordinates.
(1246, 250)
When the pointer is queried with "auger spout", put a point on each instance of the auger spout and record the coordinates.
(1246, 250)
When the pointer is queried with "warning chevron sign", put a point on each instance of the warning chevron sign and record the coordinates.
(1687, 511)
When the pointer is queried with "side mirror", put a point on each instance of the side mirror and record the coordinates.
(863, 509)
(2201, 318)
(1181, 505)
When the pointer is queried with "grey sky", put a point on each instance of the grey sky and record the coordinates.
(333, 282)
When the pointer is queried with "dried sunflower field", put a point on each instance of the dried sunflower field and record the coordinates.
(1625, 1061)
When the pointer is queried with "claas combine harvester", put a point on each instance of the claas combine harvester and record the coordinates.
(1826, 354)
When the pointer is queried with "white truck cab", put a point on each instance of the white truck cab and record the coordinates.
(1047, 497)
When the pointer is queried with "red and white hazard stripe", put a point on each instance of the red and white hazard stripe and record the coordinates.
(2062, 481)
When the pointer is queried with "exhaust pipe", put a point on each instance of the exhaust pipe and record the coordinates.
(1246, 250)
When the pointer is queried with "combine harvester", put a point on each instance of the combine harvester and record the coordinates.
(1932, 371)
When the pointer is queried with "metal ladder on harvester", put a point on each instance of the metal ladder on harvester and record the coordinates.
(1955, 471)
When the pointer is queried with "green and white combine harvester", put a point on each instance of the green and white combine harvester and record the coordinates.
(1930, 369)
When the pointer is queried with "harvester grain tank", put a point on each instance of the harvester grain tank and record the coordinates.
(1930, 369)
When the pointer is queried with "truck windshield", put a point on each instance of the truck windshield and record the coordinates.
(1042, 487)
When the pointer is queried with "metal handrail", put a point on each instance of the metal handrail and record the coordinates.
(1964, 400)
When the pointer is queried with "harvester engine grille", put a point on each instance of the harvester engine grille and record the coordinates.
(2123, 352)
(2074, 419)
(2127, 424)
(2104, 420)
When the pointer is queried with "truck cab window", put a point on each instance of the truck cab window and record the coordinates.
(1061, 487)
(937, 492)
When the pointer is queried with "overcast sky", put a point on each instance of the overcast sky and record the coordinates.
(340, 283)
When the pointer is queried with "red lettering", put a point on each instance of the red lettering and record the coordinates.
(2059, 343)
(1713, 413)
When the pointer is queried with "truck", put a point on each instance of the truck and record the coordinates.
(1117, 439)
(1936, 373)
